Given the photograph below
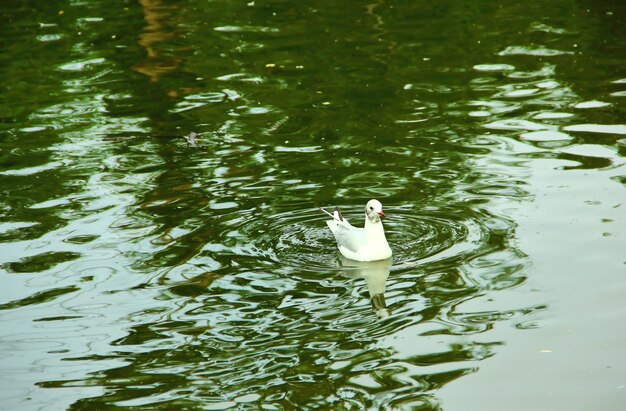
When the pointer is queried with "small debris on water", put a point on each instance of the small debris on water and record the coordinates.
(192, 139)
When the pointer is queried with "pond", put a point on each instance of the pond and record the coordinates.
(146, 269)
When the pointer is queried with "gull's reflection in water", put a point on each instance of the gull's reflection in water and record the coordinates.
(375, 274)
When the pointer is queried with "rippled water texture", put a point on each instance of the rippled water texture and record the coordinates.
(141, 270)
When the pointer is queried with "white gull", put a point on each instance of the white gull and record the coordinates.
(361, 244)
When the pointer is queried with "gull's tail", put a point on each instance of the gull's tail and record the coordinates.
(336, 215)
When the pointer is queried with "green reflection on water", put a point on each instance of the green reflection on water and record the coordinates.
(144, 272)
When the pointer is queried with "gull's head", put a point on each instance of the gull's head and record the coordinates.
(374, 210)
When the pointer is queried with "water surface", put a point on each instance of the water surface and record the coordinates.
(144, 272)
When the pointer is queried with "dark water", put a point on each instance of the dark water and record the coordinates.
(140, 271)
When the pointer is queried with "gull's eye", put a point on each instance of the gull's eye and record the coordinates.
(371, 208)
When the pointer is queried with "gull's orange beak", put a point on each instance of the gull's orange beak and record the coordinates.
(381, 214)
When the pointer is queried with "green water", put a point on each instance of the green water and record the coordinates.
(141, 272)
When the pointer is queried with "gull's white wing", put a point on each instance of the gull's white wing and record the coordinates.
(346, 235)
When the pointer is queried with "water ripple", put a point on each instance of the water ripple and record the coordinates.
(299, 239)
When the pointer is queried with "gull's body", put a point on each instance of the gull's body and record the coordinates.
(361, 244)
